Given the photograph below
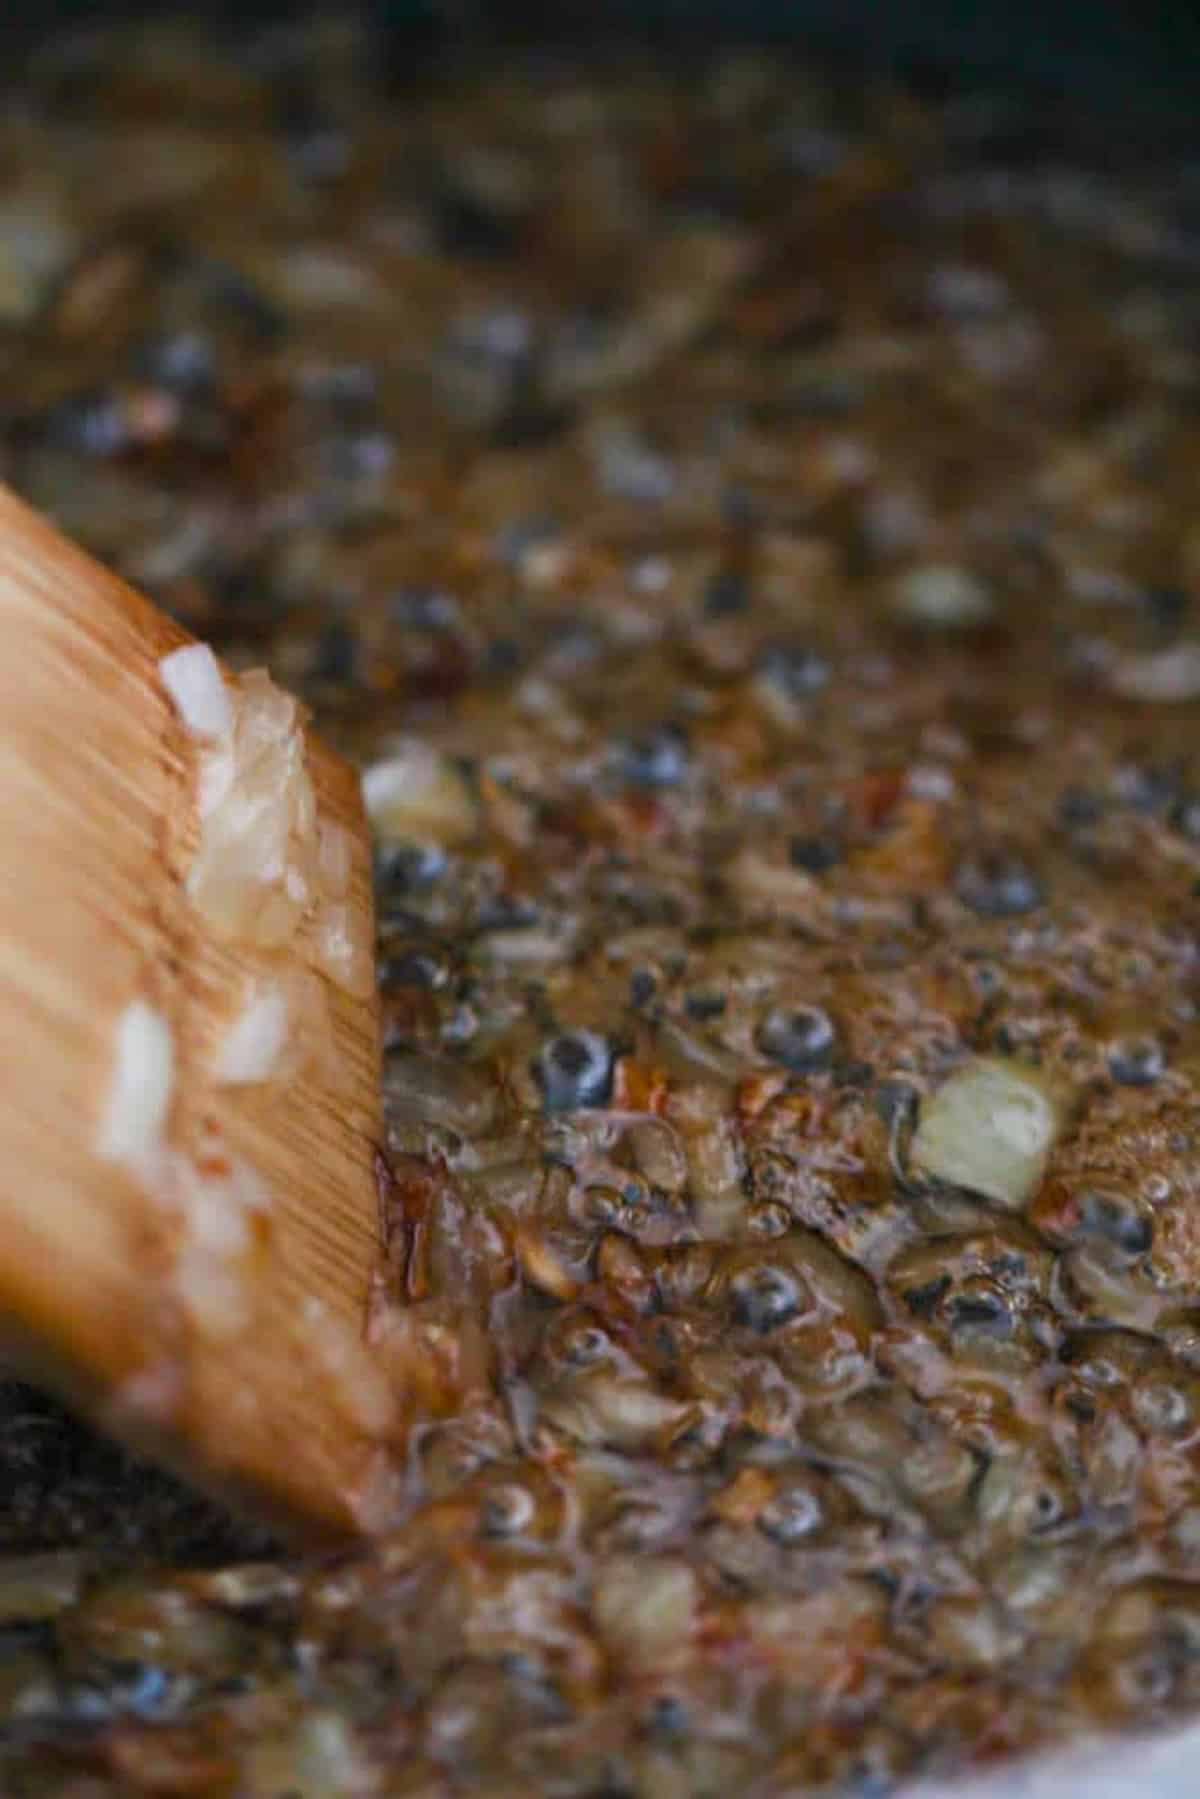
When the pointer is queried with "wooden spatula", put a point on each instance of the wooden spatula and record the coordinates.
(109, 1261)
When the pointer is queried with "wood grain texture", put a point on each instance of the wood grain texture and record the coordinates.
(97, 824)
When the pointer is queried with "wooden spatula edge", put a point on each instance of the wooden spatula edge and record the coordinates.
(97, 826)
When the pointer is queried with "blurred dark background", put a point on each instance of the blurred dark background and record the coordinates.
(1138, 57)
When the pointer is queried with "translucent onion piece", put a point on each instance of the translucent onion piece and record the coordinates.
(344, 950)
(266, 714)
(1162, 676)
(990, 1129)
(254, 873)
(254, 1047)
(215, 781)
(218, 1200)
(282, 1027)
(941, 594)
(303, 803)
(238, 877)
(417, 794)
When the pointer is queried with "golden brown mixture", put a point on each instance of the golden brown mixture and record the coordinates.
(746, 531)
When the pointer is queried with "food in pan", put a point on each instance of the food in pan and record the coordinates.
(744, 527)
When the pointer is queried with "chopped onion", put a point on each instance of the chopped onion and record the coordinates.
(344, 950)
(608, 1408)
(266, 715)
(532, 948)
(217, 1199)
(255, 866)
(646, 1609)
(989, 1129)
(417, 794)
(216, 780)
(254, 1046)
(140, 1095)
(192, 676)
(213, 1295)
(942, 595)
(1165, 676)
(359, 1385)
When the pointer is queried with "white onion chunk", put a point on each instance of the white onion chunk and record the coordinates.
(140, 1095)
(192, 676)
(990, 1129)
(253, 1049)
